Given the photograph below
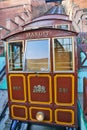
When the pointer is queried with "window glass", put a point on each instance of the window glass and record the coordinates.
(15, 54)
(63, 60)
(65, 26)
(37, 55)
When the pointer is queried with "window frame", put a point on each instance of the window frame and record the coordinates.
(73, 56)
(10, 42)
(56, 26)
(49, 60)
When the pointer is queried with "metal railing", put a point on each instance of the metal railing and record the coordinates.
(2, 72)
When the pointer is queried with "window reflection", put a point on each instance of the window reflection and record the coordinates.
(37, 55)
(63, 54)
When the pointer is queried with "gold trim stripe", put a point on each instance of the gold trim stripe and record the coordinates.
(55, 89)
(64, 123)
(50, 89)
(10, 87)
(39, 109)
(19, 118)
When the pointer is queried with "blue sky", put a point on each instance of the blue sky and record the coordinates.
(37, 49)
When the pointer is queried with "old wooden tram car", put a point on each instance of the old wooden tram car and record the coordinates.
(42, 71)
